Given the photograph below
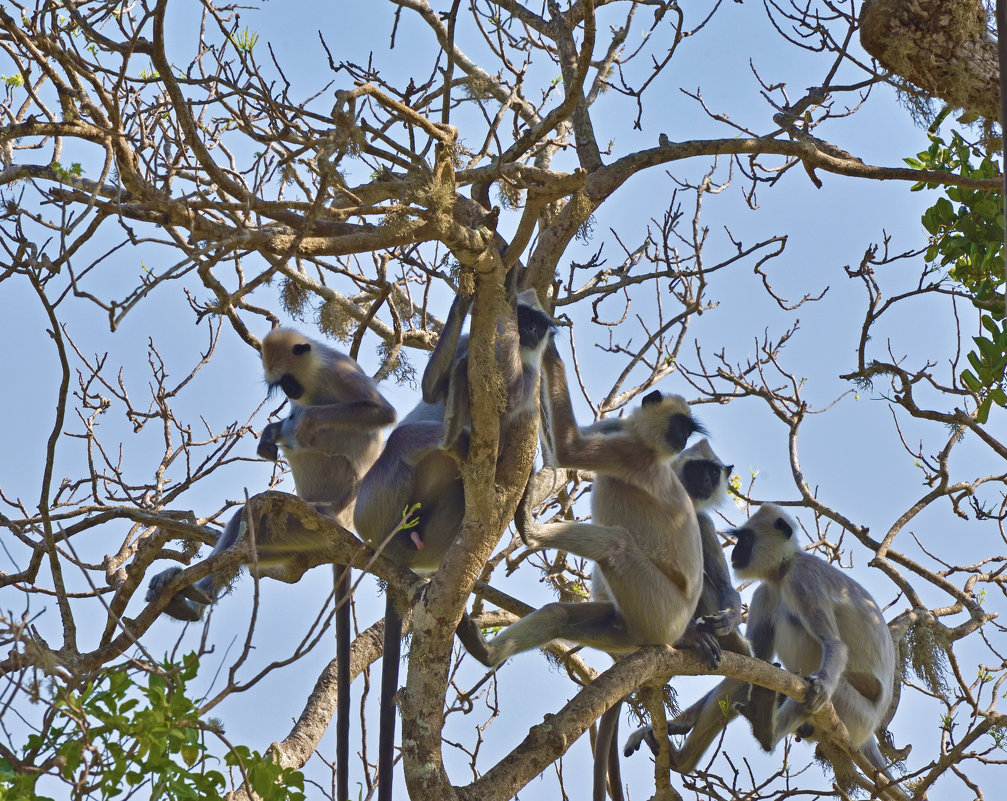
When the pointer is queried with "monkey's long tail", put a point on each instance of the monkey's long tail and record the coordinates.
(606, 756)
(389, 685)
(341, 593)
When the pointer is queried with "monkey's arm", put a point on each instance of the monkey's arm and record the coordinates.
(614, 453)
(720, 603)
(437, 375)
(817, 614)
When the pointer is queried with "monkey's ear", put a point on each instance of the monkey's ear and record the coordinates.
(653, 397)
(301, 348)
(783, 526)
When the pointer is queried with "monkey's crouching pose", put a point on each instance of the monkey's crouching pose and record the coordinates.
(822, 624)
(643, 536)
(417, 477)
(330, 439)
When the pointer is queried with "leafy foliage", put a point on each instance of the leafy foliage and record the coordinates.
(966, 229)
(112, 735)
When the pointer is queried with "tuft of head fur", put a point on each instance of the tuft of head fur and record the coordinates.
(703, 475)
(766, 543)
(300, 366)
(664, 423)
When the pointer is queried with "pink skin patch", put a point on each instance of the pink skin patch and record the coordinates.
(417, 540)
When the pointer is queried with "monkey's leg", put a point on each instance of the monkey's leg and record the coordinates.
(606, 755)
(389, 686)
(597, 624)
(341, 596)
(718, 710)
(652, 599)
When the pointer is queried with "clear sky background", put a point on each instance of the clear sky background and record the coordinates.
(853, 454)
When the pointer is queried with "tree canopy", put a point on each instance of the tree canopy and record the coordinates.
(713, 199)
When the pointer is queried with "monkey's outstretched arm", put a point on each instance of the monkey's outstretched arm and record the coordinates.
(437, 375)
(614, 454)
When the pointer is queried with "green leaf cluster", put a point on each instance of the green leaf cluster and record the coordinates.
(110, 735)
(966, 228)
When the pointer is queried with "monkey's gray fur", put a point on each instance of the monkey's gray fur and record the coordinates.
(330, 439)
(705, 479)
(821, 624)
(420, 465)
(644, 535)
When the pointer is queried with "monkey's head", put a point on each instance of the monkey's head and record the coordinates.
(533, 324)
(703, 475)
(665, 423)
(765, 543)
(290, 362)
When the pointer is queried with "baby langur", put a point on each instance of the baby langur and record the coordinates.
(643, 535)
(820, 623)
(705, 478)
(330, 439)
(420, 466)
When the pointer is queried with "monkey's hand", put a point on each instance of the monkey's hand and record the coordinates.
(267, 448)
(544, 483)
(722, 623)
(702, 642)
(818, 692)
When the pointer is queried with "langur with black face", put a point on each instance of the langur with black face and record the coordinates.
(330, 439)
(821, 624)
(705, 479)
(420, 466)
(643, 536)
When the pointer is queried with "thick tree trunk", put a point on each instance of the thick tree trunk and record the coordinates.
(939, 46)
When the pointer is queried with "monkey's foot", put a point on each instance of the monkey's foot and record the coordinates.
(644, 734)
(705, 644)
(544, 483)
(471, 638)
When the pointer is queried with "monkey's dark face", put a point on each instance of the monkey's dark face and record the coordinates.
(701, 478)
(764, 543)
(741, 556)
(680, 428)
(533, 326)
(294, 358)
(291, 387)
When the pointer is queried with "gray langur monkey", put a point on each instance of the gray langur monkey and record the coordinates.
(420, 466)
(330, 439)
(705, 478)
(643, 536)
(821, 624)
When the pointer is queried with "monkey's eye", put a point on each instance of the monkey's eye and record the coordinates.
(301, 348)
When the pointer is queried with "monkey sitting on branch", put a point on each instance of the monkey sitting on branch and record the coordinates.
(821, 624)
